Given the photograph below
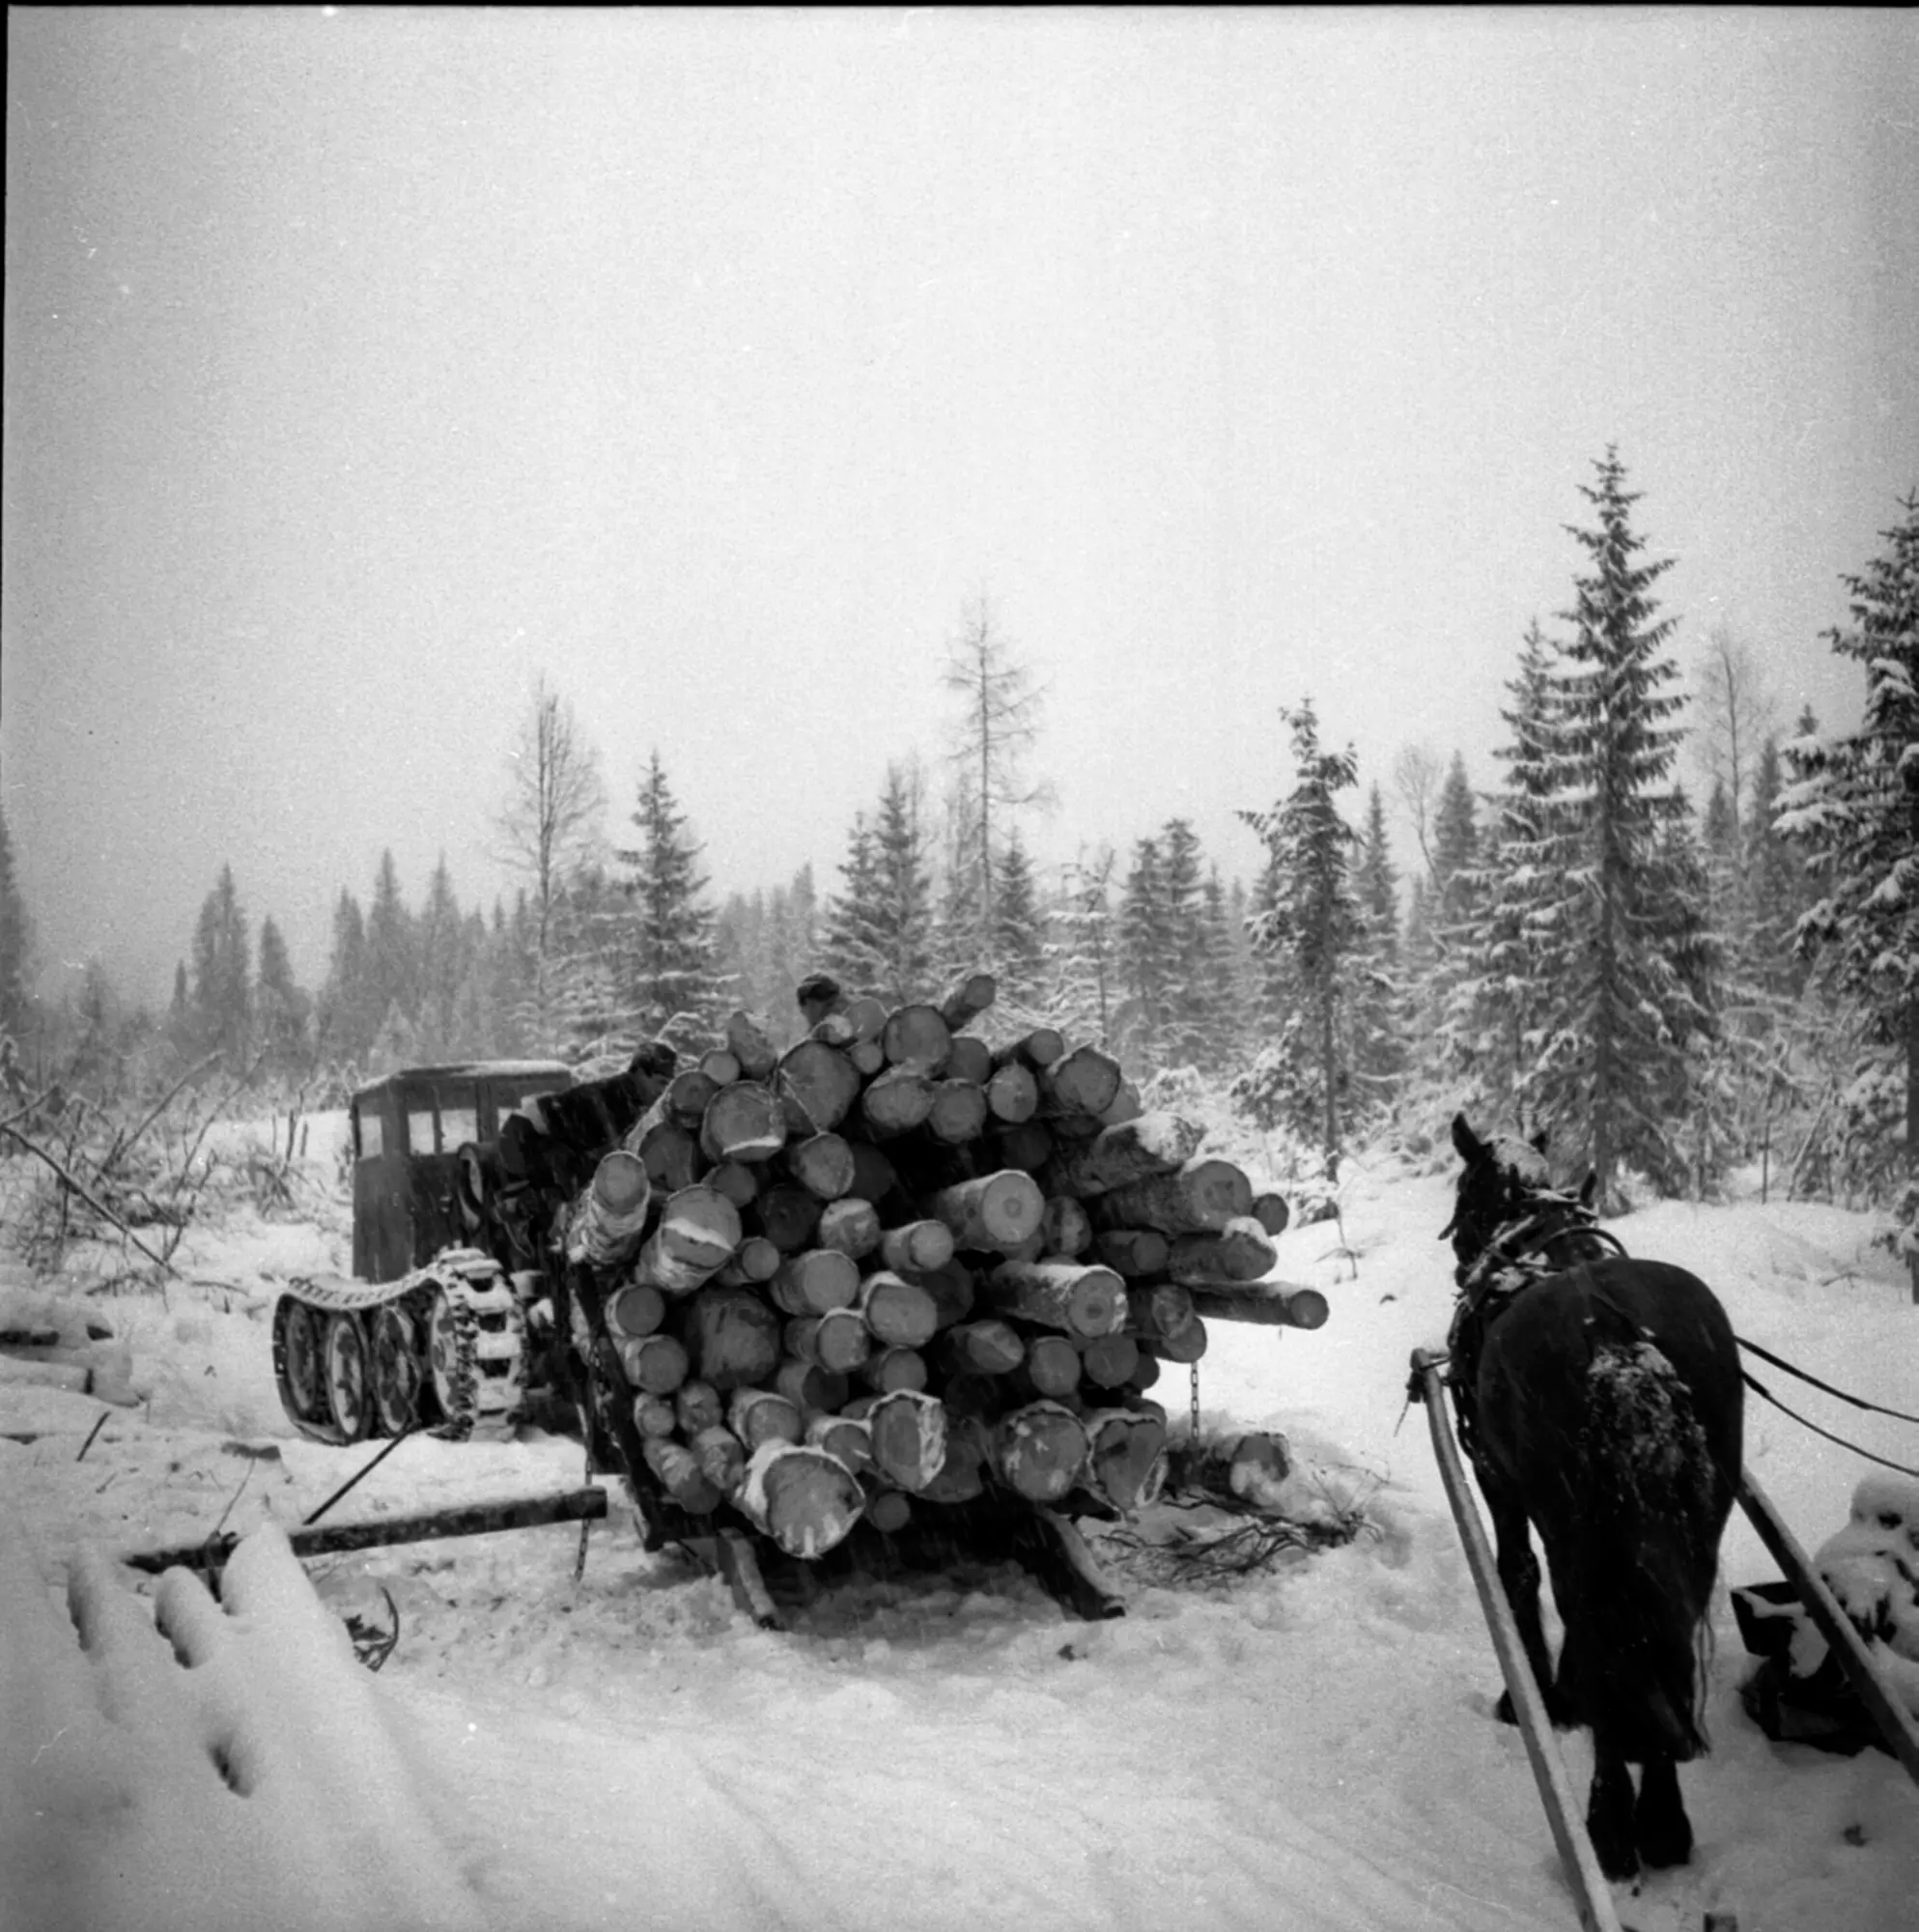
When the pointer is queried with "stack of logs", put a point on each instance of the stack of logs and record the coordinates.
(890, 1267)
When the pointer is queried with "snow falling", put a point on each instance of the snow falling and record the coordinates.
(1312, 1747)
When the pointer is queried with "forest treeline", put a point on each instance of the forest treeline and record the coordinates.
(1670, 981)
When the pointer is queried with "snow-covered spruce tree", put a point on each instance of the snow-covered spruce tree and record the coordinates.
(392, 954)
(443, 950)
(1146, 959)
(1190, 1018)
(1219, 1002)
(1441, 924)
(1493, 1024)
(849, 939)
(1019, 923)
(1630, 996)
(344, 1019)
(664, 973)
(1082, 990)
(222, 995)
(1306, 927)
(1857, 809)
(899, 915)
(1379, 1025)
(281, 1009)
(792, 950)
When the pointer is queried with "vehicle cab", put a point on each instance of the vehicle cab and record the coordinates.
(407, 1131)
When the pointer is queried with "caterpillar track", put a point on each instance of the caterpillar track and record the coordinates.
(444, 1347)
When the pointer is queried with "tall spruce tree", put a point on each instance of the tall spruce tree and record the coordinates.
(222, 991)
(345, 1019)
(1502, 967)
(665, 977)
(1378, 1001)
(1635, 998)
(1146, 958)
(849, 943)
(1084, 989)
(281, 1008)
(1188, 1017)
(392, 958)
(1855, 807)
(902, 913)
(1019, 944)
(1305, 929)
(442, 963)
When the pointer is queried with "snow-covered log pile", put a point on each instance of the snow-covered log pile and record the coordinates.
(890, 1267)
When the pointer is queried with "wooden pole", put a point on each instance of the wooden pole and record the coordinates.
(587, 1505)
(1896, 1723)
(1591, 1893)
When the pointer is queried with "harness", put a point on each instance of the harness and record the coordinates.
(1509, 1263)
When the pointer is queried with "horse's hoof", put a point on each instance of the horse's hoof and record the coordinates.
(1662, 1849)
(1618, 1860)
(1504, 1709)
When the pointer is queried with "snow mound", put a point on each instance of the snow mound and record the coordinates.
(204, 1765)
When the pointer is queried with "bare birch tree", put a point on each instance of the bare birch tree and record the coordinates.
(996, 726)
(552, 821)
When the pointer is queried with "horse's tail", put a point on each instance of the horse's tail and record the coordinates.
(1650, 1554)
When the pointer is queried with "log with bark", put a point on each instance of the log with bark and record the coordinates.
(1199, 1197)
(1079, 1298)
(610, 1216)
(994, 1211)
(1274, 1304)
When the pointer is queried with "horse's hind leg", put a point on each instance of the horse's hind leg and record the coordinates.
(1519, 1575)
(1609, 1816)
(1660, 1826)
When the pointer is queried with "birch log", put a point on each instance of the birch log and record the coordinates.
(1077, 1297)
(1275, 1304)
(611, 1215)
(1198, 1198)
(998, 1210)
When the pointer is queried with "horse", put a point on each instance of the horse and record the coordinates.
(1599, 1400)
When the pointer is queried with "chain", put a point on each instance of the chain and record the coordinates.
(1196, 1401)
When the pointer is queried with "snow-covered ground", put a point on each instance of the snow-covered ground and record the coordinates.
(1312, 1748)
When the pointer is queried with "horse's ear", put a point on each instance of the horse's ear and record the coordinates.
(1591, 1187)
(1539, 1141)
(1470, 1147)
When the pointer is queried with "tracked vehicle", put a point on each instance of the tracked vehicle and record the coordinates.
(448, 1323)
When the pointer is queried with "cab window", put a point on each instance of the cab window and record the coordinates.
(369, 1142)
(420, 1128)
(458, 1126)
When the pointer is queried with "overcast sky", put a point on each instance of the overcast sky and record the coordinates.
(363, 364)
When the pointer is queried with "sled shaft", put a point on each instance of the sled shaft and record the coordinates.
(1592, 1894)
(1896, 1725)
